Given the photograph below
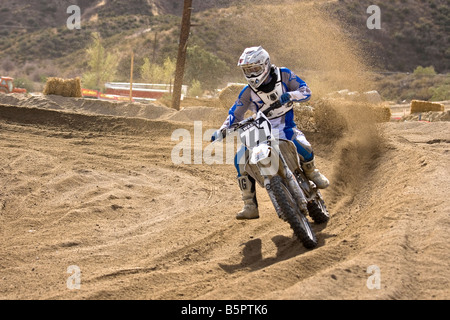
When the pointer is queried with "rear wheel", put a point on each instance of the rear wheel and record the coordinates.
(318, 211)
(3, 90)
(298, 222)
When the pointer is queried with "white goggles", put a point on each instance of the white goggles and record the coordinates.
(252, 70)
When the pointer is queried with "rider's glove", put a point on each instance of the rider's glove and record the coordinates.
(285, 98)
(218, 134)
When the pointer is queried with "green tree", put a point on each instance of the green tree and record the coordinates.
(151, 72)
(154, 73)
(441, 91)
(429, 71)
(169, 69)
(204, 67)
(102, 65)
(196, 89)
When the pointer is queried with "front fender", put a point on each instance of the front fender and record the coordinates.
(261, 154)
(266, 159)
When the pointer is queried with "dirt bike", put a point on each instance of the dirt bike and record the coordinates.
(275, 165)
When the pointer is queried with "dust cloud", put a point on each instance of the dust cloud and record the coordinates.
(303, 37)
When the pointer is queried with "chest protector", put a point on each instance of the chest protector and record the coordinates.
(273, 96)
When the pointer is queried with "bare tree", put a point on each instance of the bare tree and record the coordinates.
(182, 49)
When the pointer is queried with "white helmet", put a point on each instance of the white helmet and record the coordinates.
(255, 63)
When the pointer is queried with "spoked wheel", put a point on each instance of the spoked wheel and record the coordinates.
(318, 211)
(297, 220)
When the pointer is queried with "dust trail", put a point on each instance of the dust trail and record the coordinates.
(302, 36)
(352, 132)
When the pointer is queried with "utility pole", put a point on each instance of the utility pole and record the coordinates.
(182, 49)
(131, 76)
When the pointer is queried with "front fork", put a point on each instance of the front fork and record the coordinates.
(291, 184)
(294, 188)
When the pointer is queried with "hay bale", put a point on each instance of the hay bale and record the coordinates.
(382, 113)
(229, 95)
(63, 87)
(425, 106)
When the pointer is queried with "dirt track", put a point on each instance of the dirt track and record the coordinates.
(102, 193)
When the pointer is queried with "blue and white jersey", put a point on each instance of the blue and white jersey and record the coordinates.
(250, 100)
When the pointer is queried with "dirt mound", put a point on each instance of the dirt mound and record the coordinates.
(88, 106)
(211, 116)
(429, 116)
(153, 111)
(69, 121)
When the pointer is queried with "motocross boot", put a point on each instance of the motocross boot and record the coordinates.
(314, 175)
(250, 210)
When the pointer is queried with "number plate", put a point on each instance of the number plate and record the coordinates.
(256, 132)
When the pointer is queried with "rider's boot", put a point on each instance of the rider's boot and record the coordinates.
(314, 175)
(250, 210)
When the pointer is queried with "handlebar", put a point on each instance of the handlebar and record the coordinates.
(277, 104)
(224, 132)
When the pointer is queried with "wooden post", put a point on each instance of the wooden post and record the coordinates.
(181, 59)
(131, 76)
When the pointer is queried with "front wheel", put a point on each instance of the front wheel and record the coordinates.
(297, 220)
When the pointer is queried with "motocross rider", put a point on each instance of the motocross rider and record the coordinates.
(266, 84)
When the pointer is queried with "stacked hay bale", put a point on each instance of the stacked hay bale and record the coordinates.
(382, 112)
(63, 87)
(425, 106)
